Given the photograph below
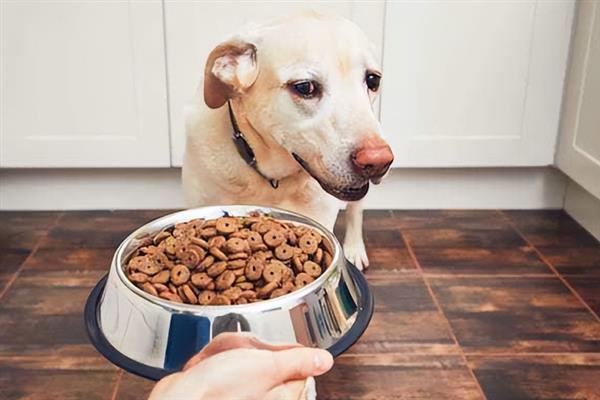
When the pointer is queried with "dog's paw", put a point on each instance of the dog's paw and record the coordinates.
(356, 253)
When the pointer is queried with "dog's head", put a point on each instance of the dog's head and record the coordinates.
(309, 82)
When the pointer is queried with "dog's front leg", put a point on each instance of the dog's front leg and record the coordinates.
(354, 245)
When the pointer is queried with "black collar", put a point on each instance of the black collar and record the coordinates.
(244, 148)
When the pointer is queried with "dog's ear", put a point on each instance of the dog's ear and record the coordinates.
(230, 69)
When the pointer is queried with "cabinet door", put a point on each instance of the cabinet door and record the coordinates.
(193, 29)
(579, 146)
(474, 83)
(83, 84)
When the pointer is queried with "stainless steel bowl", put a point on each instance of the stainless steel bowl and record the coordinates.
(152, 337)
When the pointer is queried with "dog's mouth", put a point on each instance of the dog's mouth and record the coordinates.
(344, 193)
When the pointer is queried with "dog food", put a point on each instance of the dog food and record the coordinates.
(229, 260)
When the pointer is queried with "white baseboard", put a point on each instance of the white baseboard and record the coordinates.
(71, 189)
(475, 188)
(583, 207)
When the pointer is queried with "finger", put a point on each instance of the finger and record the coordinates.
(365, 260)
(298, 363)
(165, 385)
(238, 340)
(262, 370)
(229, 341)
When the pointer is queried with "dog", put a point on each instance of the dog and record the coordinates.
(285, 118)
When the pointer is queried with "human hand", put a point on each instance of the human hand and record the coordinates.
(236, 366)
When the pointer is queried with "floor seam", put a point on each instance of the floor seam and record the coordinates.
(535, 354)
(550, 266)
(474, 354)
(414, 259)
(461, 276)
(115, 391)
(33, 251)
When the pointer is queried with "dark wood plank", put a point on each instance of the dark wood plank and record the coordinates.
(4, 281)
(65, 357)
(583, 261)
(38, 333)
(405, 319)
(90, 229)
(25, 220)
(38, 384)
(494, 314)
(132, 387)
(372, 219)
(19, 234)
(83, 280)
(387, 377)
(463, 238)
(42, 294)
(588, 287)
(454, 219)
(22, 230)
(568, 376)
(42, 317)
(10, 261)
(552, 228)
(385, 247)
(71, 259)
(387, 252)
(482, 260)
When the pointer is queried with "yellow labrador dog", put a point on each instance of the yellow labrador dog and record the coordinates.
(285, 119)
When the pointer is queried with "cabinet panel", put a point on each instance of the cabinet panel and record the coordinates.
(579, 145)
(193, 29)
(474, 83)
(83, 84)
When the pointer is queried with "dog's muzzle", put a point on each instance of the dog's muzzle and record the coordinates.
(345, 193)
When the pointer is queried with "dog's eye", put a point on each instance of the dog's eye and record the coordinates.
(306, 89)
(373, 81)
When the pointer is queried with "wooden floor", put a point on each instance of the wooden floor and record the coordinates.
(469, 304)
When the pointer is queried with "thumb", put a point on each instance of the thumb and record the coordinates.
(298, 363)
(230, 341)
(260, 370)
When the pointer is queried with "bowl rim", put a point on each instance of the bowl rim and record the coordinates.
(268, 304)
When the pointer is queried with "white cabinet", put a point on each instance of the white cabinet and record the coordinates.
(579, 146)
(83, 84)
(474, 83)
(193, 29)
(466, 83)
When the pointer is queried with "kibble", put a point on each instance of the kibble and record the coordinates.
(229, 260)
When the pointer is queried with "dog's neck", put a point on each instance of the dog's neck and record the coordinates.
(273, 161)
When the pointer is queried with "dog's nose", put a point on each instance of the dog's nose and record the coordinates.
(373, 162)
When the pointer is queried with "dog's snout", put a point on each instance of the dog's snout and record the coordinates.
(373, 162)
